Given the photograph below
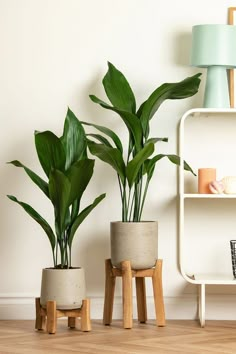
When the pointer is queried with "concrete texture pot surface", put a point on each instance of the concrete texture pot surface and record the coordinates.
(134, 241)
(65, 286)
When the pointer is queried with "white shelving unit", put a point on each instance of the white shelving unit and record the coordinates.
(204, 126)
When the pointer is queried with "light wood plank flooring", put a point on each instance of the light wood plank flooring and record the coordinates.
(183, 337)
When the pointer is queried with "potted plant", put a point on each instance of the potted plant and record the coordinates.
(68, 170)
(133, 239)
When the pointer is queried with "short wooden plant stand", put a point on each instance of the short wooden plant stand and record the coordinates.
(127, 273)
(47, 317)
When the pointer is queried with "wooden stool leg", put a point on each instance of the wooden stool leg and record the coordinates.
(158, 293)
(40, 320)
(51, 317)
(141, 299)
(110, 283)
(127, 294)
(85, 316)
(71, 322)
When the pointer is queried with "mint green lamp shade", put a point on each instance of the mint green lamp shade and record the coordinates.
(214, 48)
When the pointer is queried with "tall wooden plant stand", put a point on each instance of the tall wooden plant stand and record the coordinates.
(127, 273)
(47, 317)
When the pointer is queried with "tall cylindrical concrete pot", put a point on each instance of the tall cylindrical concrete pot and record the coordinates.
(134, 241)
(65, 286)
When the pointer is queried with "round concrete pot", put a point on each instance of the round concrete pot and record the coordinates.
(65, 286)
(134, 241)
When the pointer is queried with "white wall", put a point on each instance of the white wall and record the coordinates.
(53, 55)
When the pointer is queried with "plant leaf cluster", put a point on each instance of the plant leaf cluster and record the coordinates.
(69, 171)
(135, 170)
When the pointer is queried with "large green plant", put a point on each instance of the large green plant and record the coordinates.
(136, 169)
(65, 163)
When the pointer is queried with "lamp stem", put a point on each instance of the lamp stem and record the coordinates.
(217, 90)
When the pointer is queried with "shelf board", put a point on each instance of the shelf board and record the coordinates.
(208, 196)
(220, 279)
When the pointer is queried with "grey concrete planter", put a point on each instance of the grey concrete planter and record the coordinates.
(65, 286)
(134, 241)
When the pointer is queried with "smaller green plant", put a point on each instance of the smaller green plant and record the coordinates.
(134, 169)
(69, 170)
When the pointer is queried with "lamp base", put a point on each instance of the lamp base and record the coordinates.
(216, 90)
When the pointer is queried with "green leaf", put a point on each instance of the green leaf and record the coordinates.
(75, 209)
(73, 139)
(41, 221)
(79, 176)
(155, 140)
(80, 218)
(135, 165)
(131, 121)
(118, 90)
(176, 160)
(173, 158)
(33, 176)
(100, 138)
(109, 133)
(59, 191)
(179, 90)
(112, 156)
(50, 151)
(135, 128)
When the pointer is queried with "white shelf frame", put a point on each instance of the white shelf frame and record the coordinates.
(208, 196)
(199, 279)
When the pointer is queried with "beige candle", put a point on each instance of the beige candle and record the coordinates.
(205, 176)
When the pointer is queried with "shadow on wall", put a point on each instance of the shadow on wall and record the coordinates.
(182, 50)
(93, 254)
(11, 183)
(182, 57)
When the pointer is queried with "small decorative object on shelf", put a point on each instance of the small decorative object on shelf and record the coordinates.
(233, 255)
(205, 177)
(216, 187)
(227, 185)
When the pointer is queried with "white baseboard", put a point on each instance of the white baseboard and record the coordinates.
(218, 307)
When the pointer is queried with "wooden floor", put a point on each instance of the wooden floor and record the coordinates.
(184, 337)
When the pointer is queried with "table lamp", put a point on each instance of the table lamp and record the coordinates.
(214, 48)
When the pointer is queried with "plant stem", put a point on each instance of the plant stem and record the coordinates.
(128, 203)
(140, 186)
(124, 206)
(66, 249)
(54, 259)
(144, 197)
(135, 214)
(121, 195)
(131, 207)
(69, 257)
(138, 193)
(56, 251)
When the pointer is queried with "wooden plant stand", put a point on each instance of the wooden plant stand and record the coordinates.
(127, 273)
(48, 317)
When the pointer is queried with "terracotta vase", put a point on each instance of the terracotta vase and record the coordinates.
(65, 286)
(205, 177)
(134, 241)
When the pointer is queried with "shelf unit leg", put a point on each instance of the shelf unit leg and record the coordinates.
(201, 304)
